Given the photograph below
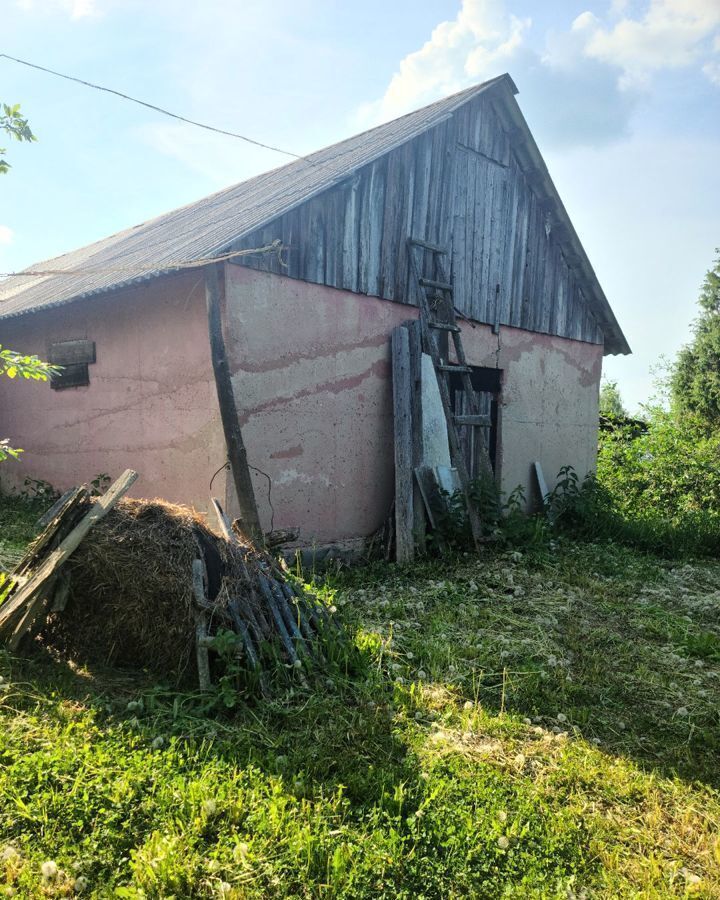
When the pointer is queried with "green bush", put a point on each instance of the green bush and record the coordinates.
(658, 489)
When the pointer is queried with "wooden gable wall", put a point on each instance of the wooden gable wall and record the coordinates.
(460, 185)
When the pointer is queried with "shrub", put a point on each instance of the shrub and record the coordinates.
(657, 489)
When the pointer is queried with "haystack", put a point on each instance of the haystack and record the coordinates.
(148, 584)
(131, 591)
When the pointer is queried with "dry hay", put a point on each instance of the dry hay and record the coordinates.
(131, 595)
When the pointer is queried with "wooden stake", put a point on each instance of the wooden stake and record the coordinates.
(402, 418)
(201, 650)
(214, 287)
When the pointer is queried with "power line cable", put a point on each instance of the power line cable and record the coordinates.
(165, 112)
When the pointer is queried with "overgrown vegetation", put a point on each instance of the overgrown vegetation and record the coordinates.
(539, 724)
(696, 374)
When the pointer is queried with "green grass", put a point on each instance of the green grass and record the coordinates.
(537, 725)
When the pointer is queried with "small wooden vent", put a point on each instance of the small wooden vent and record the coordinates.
(74, 357)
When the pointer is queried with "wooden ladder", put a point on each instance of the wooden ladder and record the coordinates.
(443, 321)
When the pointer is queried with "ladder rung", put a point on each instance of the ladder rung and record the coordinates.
(475, 421)
(442, 367)
(435, 248)
(444, 326)
(439, 285)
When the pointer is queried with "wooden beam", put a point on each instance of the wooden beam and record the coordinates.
(32, 591)
(415, 346)
(402, 417)
(214, 289)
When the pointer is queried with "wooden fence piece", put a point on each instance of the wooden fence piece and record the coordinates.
(403, 444)
(63, 512)
(278, 619)
(201, 632)
(49, 514)
(32, 591)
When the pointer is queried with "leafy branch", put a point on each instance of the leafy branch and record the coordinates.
(12, 122)
(19, 365)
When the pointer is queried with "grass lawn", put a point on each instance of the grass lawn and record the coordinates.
(542, 724)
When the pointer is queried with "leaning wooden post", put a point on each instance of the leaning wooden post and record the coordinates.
(214, 284)
(201, 633)
(402, 419)
(415, 346)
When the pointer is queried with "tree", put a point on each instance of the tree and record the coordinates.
(610, 400)
(13, 123)
(695, 381)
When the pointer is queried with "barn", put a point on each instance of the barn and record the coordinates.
(313, 266)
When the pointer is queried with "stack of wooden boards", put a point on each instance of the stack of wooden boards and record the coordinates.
(219, 583)
(36, 584)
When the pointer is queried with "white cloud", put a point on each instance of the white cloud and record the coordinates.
(6, 235)
(585, 21)
(586, 78)
(483, 41)
(478, 43)
(669, 34)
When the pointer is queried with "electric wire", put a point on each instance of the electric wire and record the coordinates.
(155, 108)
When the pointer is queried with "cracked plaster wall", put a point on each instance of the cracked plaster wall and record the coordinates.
(312, 379)
(311, 372)
(150, 405)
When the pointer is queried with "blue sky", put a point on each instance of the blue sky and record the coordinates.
(623, 98)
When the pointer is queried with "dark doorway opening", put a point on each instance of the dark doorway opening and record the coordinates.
(487, 385)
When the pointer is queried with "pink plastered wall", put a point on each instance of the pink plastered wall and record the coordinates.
(150, 405)
(548, 405)
(312, 379)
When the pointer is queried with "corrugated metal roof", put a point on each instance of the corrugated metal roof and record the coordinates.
(206, 228)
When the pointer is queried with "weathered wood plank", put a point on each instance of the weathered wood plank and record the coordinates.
(202, 655)
(416, 412)
(403, 445)
(31, 591)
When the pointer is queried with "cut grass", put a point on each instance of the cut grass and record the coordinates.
(538, 725)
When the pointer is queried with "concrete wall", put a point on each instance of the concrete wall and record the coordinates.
(312, 380)
(311, 373)
(549, 402)
(150, 405)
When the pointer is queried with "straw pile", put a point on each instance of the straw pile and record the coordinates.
(131, 590)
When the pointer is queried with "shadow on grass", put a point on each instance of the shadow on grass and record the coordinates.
(330, 788)
(598, 643)
(394, 776)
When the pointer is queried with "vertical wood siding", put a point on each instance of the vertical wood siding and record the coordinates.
(459, 185)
